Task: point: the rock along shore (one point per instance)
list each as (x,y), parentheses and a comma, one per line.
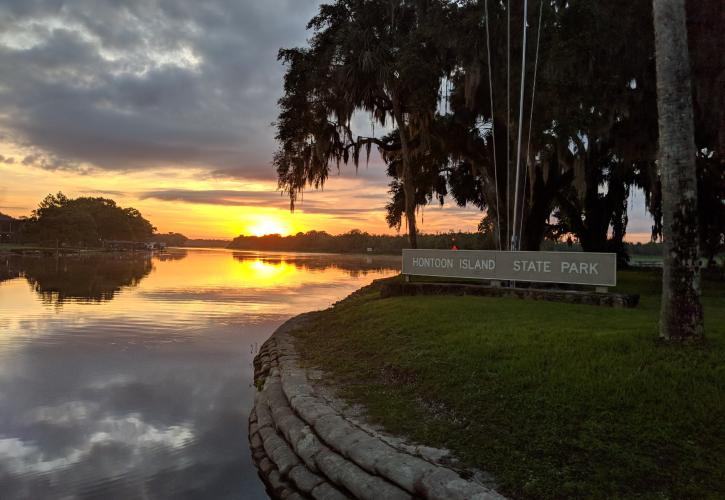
(306,445)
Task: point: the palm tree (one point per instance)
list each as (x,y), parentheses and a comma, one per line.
(681,316)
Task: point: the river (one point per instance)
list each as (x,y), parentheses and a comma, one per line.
(129,376)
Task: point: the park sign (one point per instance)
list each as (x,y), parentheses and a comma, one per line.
(575,268)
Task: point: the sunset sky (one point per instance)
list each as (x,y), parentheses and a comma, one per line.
(166,106)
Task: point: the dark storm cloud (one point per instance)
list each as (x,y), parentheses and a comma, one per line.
(146,83)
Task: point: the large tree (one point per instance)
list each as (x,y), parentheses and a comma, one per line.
(588,129)
(378,57)
(705,19)
(706,39)
(85,221)
(593,118)
(681,316)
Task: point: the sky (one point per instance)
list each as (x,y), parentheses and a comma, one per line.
(167,106)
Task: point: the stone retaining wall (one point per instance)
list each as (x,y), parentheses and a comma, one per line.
(395,289)
(305,446)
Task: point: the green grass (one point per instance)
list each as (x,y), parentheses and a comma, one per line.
(635,259)
(555,400)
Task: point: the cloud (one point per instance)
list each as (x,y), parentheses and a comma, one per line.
(132,425)
(104,192)
(184,87)
(266,199)
(146,84)
(219,197)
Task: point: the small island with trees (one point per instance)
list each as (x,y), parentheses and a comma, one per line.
(83,222)
(88,223)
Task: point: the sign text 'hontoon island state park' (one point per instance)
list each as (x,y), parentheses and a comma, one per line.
(576,268)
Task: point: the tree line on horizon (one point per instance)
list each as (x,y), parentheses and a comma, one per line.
(357,241)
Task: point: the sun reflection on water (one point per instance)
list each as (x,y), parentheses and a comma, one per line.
(147,298)
(264,273)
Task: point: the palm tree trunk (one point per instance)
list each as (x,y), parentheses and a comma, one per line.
(681,315)
(408,181)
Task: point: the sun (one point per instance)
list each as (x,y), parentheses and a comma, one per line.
(268,225)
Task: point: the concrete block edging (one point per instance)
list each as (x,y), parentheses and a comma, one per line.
(304,447)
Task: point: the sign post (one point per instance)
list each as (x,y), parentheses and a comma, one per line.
(575,268)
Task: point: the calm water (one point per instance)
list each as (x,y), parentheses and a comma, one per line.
(125,377)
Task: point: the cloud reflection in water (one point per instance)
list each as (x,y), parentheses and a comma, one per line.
(143,390)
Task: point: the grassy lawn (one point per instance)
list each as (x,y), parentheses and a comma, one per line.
(638,259)
(554,400)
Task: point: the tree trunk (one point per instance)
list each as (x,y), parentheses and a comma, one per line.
(492,212)
(535,218)
(407,175)
(681,315)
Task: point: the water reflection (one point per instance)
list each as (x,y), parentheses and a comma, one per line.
(176,254)
(354,265)
(8,273)
(129,424)
(146,395)
(90,278)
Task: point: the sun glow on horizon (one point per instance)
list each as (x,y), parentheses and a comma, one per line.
(266,224)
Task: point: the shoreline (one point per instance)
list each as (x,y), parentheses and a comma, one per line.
(31,251)
(306,442)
